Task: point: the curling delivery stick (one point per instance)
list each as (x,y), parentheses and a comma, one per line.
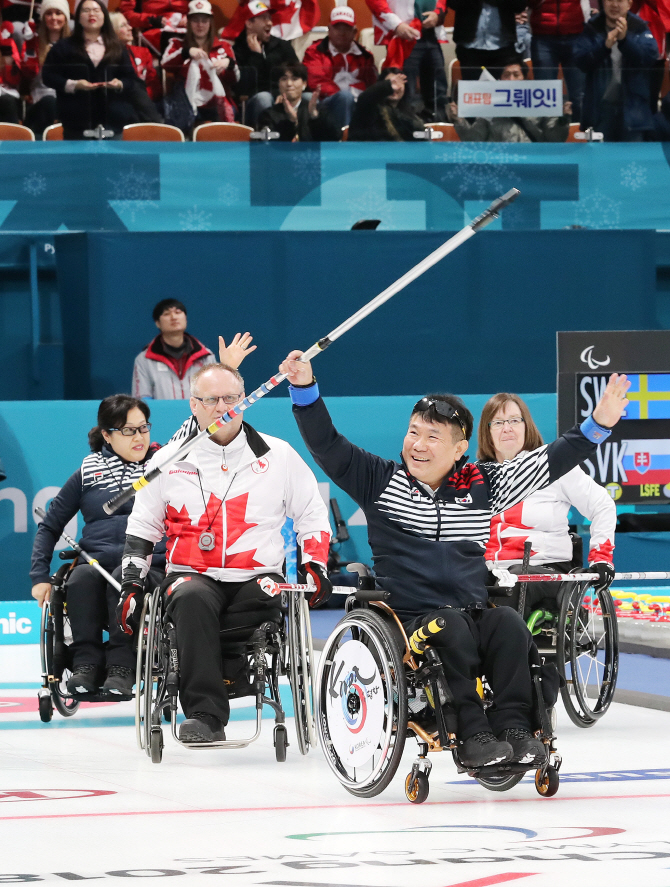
(587,577)
(41,513)
(453,243)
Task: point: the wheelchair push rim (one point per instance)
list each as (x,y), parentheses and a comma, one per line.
(588,654)
(65,704)
(301,659)
(139,674)
(362,703)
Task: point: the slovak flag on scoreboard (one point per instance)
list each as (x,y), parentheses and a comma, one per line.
(647,461)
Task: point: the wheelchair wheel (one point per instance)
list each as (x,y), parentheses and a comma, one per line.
(417,788)
(547,785)
(139,674)
(588,654)
(300,660)
(55,660)
(280,743)
(362,703)
(156,745)
(153,672)
(46,707)
(502,783)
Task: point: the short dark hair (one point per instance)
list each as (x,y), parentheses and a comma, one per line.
(112,413)
(295,68)
(164,304)
(515,59)
(464,414)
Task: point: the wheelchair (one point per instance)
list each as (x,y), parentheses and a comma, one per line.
(576,627)
(257,649)
(56,652)
(373,693)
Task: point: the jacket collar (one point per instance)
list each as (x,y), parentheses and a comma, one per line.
(439,492)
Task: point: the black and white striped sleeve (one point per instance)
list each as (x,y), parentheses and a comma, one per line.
(514,480)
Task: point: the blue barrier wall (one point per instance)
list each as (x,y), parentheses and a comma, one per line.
(483,319)
(311,186)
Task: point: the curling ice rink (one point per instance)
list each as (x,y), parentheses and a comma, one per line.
(79,801)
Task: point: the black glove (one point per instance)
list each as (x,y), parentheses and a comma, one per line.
(129,607)
(324,587)
(605,573)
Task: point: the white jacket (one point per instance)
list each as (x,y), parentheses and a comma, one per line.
(244,507)
(543,518)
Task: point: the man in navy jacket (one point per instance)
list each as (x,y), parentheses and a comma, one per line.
(428,522)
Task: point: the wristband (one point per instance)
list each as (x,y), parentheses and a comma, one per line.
(594,432)
(303,397)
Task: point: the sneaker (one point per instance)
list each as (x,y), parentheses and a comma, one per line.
(201,727)
(119,680)
(527,749)
(84,679)
(483,749)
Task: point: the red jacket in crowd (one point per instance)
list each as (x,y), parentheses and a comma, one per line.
(177,60)
(556,17)
(335,72)
(142,61)
(10,74)
(387,15)
(290,18)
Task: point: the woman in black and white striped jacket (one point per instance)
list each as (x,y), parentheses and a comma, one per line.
(120,447)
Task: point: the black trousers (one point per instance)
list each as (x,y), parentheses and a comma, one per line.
(473,60)
(427,63)
(91,606)
(494,642)
(41,114)
(9,109)
(196,604)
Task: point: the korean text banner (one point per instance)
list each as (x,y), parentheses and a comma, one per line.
(510,98)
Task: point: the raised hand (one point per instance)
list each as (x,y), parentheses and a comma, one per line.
(239,348)
(298,373)
(613,403)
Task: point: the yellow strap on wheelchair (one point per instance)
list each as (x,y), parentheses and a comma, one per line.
(417,641)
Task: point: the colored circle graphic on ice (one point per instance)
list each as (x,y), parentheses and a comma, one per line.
(355,703)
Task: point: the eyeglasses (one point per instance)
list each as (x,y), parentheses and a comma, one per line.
(127,431)
(213,401)
(513,422)
(442,408)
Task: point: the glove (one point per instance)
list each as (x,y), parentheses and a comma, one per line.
(504,577)
(324,587)
(605,573)
(129,607)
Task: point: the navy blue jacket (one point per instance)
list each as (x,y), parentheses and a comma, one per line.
(428,550)
(639,52)
(101,476)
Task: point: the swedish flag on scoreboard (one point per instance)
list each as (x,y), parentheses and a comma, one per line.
(649,396)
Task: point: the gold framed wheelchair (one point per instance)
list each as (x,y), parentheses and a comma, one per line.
(258,648)
(373,693)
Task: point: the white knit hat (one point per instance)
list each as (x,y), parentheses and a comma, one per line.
(200,7)
(61,5)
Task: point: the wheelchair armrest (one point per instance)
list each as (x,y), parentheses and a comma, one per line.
(499,591)
(366,595)
(68,555)
(366,580)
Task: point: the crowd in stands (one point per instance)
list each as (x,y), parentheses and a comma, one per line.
(165,61)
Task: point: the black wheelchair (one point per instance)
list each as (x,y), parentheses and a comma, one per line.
(56,651)
(257,649)
(373,692)
(574,626)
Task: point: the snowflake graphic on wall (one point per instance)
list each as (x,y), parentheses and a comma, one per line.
(479,152)
(229,195)
(195,219)
(307,165)
(370,204)
(633,176)
(476,181)
(598,210)
(136,188)
(34,184)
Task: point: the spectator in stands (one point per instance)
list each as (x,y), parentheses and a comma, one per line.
(555,28)
(295,118)
(38,40)
(158,20)
(164,368)
(662,121)
(259,55)
(13,15)
(148,89)
(512,129)
(120,447)
(485,34)
(617,52)
(92,75)
(290,19)
(656,13)
(339,68)
(10,77)
(408,29)
(206,70)
(383,112)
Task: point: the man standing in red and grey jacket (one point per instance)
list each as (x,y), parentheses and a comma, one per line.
(339,67)
(164,368)
(556,25)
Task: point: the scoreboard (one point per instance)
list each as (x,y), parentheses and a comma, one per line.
(634,463)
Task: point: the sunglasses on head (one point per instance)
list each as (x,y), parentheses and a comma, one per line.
(441,408)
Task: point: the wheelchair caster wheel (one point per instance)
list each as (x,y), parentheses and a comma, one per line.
(547,786)
(156,746)
(281,742)
(46,708)
(417,787)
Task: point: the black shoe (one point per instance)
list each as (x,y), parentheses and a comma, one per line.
(202,727)
(483,750)
(527,749)
(119,680)
(83,680)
